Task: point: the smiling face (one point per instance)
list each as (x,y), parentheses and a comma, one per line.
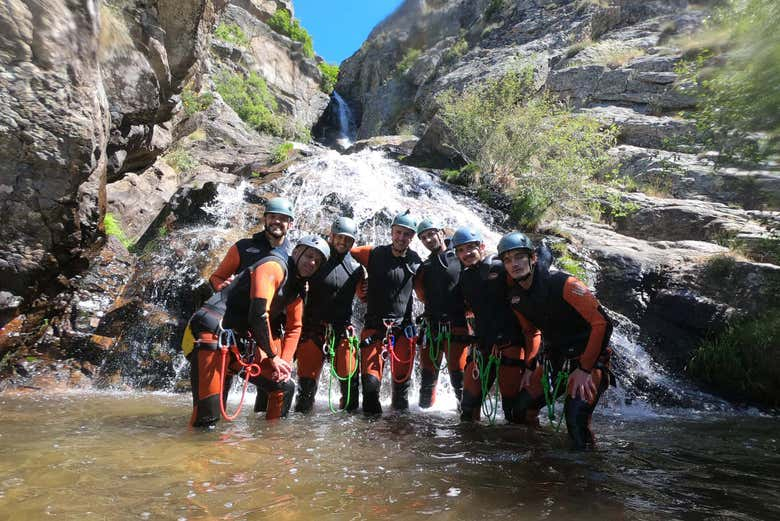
(433,240)
(341,243)
(277,225)
(308,260)
(401,238)
(470,253)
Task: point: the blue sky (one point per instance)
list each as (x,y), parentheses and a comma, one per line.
(339,27)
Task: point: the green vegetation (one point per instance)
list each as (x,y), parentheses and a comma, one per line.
(252,101)
(528,146)
(735,67)
(494,8)
(743,362)
(281,22)
(455,52)
(113,229)
(282,153)
(180,160)
(231,33)
(410,56)
(194,102)
(567,263)
(330,75)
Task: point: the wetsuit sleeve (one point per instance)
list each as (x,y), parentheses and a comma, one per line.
(533,339)
(266,280)
(419,281)
(361,253)
(226,268)
(582,300)
(292,329)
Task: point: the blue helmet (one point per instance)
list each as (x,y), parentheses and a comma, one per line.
(425,225)
(514,241)
(465,235)
(316,242)
(405,220)
(344,226)
(280,205)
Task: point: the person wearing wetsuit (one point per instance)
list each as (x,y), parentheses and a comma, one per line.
(483,285)
(388,327)
(272,313)
(327,321)
(575,332)
(200,341)
(443,322)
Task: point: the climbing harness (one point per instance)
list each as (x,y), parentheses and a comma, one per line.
(551,390)
(388,348)
(353,343)
(482,373)
(227,343)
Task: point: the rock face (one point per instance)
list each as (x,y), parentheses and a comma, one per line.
(54,127)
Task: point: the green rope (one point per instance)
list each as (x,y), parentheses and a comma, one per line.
(489,406)
(354,344)
(551,392)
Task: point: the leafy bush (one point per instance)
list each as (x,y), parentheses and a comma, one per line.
(736,71)
(330,75)
(180,160)
(410,56)
(114,229)
(281,153)
(231,33)
(454,53)
(528,146)
(743,362)
(252,101)
(281,22)
(194,102)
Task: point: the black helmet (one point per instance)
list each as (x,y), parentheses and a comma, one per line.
(344,226)
(280,205)
(514,241)
(465,235)
(316,242)
(405,220)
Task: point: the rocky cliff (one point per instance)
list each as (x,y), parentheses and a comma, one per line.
(652,259)
(112,110)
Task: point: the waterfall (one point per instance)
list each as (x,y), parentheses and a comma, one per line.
(371,188)
(344,114)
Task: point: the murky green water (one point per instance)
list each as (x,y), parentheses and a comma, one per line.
(131,456)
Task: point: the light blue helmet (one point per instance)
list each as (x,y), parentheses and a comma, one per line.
(280,205)
(316,242)
(465,235)
(425,225)
(405,220)
(344,226)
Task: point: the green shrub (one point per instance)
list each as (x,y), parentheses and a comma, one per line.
(180,160)
(194,102)
(743,361)
(410,56)
(455,52)
(114,229)
(231,33)
(252,101)
(736,71)
(330,75)
(281,153)
(533,147)
(494,8)
(281,22)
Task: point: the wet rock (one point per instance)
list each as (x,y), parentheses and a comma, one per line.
(393,145)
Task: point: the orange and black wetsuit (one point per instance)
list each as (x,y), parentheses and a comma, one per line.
(484,290)
(436,285)
(239,257)
(388,317)
(273,314)
(575,331)
(327,315)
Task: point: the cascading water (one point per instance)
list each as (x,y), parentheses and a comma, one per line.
(345,120)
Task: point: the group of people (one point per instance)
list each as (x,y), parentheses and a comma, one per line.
(507,317)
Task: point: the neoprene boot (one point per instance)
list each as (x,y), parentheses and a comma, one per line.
(353,388)
(371,403)
(307,389)
(428,380)
(400,400)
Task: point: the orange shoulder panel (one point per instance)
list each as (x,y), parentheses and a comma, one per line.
(229,266)
(583,301)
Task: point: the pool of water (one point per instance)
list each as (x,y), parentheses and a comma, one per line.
(132,456)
